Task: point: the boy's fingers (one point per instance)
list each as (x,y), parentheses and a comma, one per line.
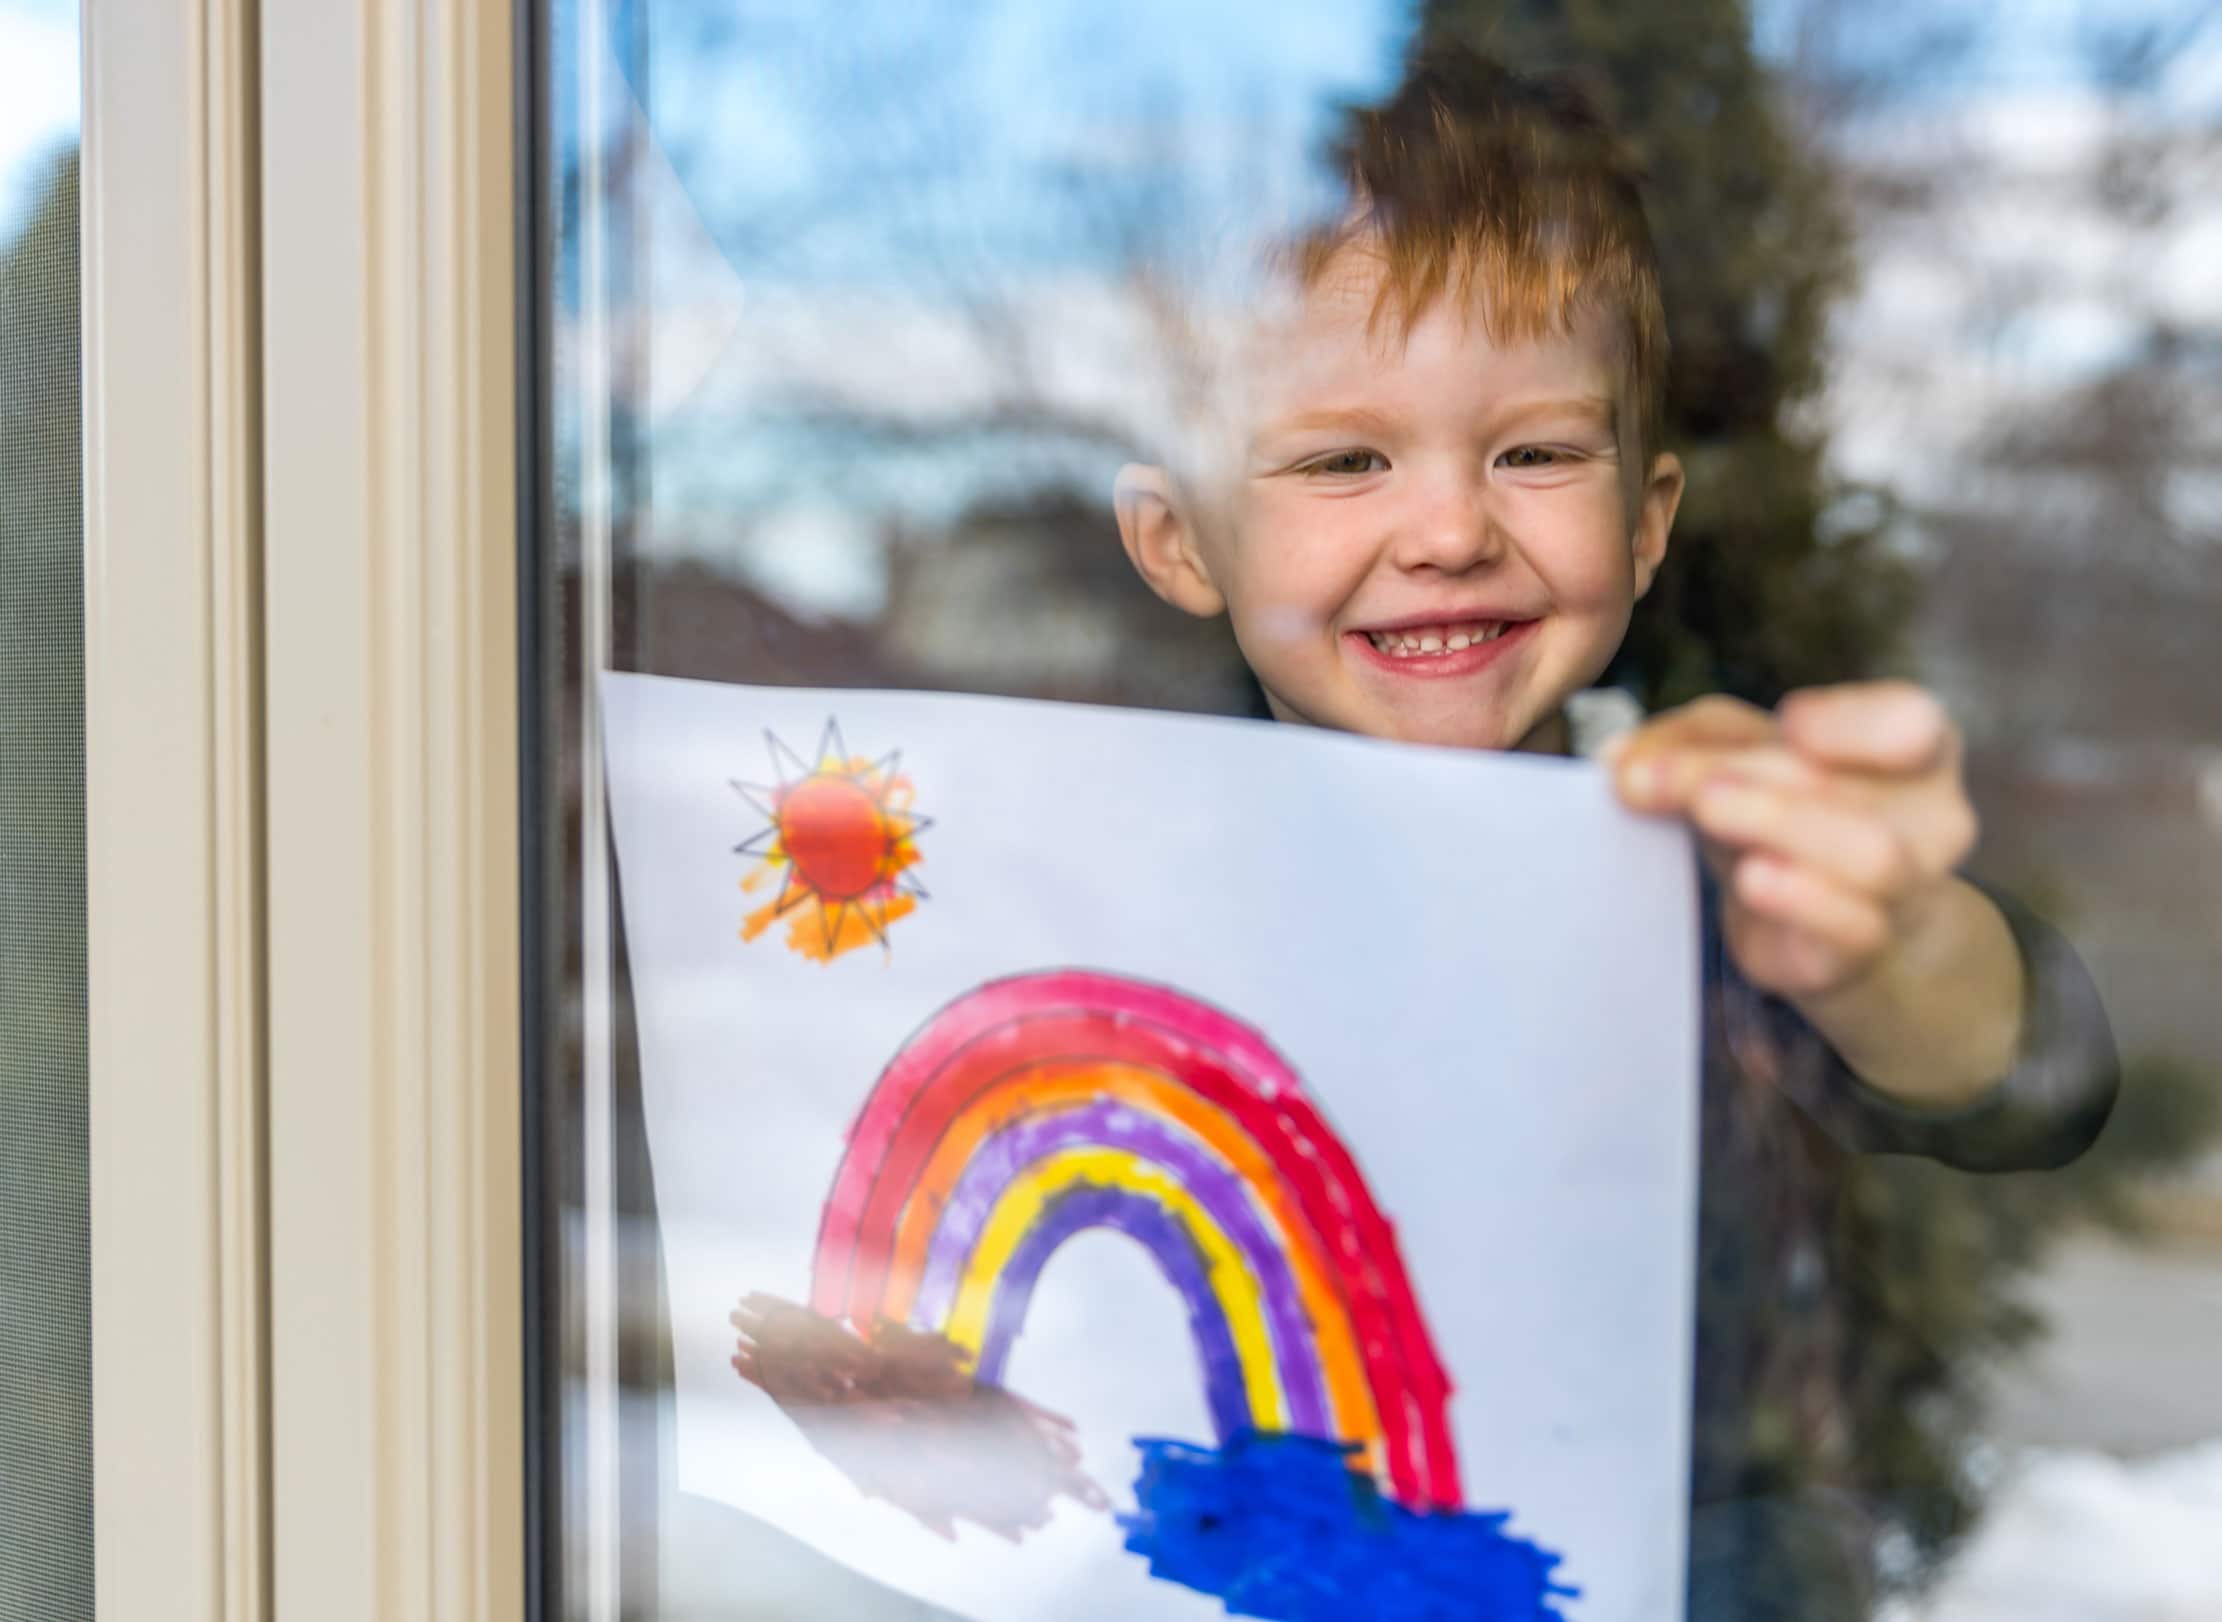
(1784,959)
(1651,766)
(1851,928)
(1884,726)
(1667,779)
(1851,846)
(1715,720)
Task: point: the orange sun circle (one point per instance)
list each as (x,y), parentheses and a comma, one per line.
(839,836)
(832,830)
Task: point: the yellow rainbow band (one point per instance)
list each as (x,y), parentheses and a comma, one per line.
(1233,1284)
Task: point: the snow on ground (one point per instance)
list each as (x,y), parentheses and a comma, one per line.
(2079,1536)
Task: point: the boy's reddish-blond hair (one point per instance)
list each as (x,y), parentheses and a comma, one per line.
(1510,194)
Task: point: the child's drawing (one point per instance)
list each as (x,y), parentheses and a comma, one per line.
(1322,1249)
(1040,1107)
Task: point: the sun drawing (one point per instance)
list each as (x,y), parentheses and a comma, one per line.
(841,839)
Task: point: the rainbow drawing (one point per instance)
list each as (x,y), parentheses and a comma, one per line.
(1046,1105)
(1040,1106)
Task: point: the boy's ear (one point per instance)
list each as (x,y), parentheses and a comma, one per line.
(1161,540)
(1662,493)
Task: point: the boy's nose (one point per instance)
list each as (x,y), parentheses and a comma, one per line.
(1452,530)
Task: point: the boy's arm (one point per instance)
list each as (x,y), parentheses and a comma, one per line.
(1936,1019)
(1836,829)
(2042,1112)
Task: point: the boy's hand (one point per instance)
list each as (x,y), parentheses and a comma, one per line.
(1836,825)
(1832,823)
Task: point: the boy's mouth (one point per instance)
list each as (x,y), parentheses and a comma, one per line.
(1452,648)
(1434,641)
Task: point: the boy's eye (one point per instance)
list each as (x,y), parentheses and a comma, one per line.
(1349,462)
(1531,456)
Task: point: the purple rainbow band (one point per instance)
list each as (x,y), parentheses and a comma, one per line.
(1110,1125)
(1165,1237)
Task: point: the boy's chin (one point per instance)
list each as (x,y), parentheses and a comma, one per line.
(1450,726)
(1490,732)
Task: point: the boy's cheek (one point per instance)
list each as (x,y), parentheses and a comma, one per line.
(1284,629)
(1285,648)
(1286,580)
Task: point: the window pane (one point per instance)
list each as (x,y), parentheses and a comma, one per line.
(46,1521)
(851,321)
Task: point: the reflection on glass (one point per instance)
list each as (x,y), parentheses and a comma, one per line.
(874,308)
(46,1522)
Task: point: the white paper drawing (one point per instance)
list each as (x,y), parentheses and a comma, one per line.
(1114,1165)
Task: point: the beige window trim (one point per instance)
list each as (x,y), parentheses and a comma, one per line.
(389,591)
(173,828)
(301,809)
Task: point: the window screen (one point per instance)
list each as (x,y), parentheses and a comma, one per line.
(46,1519)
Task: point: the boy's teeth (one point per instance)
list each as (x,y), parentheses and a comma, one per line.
(1436,639)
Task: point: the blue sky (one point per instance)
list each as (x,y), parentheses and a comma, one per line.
(1022,126)
(939,133)
(1284,49)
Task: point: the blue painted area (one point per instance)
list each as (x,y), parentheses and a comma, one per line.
(1280,1526)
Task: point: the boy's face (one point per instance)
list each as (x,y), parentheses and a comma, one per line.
(1430,539)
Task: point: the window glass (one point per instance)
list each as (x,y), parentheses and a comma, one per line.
(46,1519)
(849,321)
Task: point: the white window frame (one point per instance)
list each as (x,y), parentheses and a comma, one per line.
(301,759)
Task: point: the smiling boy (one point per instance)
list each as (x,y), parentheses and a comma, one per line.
(1443,488)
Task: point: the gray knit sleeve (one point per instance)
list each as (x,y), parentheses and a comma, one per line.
(2042,1114)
